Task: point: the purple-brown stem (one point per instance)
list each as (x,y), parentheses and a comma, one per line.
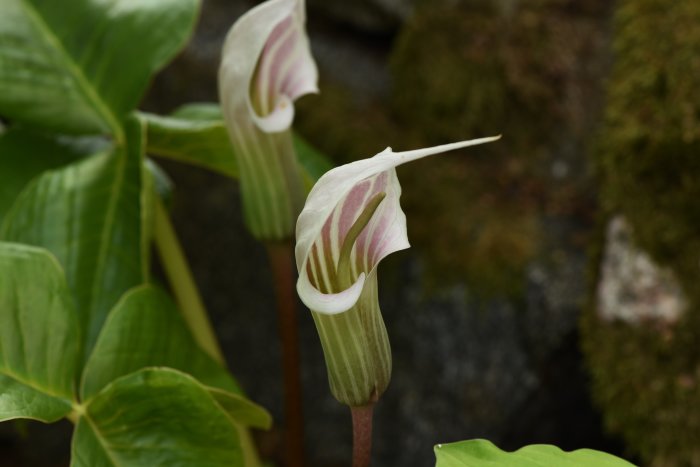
(362,435)
(281,262)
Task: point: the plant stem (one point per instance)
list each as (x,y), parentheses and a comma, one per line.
(182,283)
(281,262)
(192,307)
(362,435)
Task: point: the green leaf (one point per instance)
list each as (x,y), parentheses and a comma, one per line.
(24,155)
(162,183)
(89,214)
(39,336)
(200,111)
(155,417)
(479,452)
(18,400)
(146,329)
(314,163)
(82,68)
(196,134)
(198,142)
(242,410)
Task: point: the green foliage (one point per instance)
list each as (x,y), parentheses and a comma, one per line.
(170,418)
(76,226)
(82,69)
(146,329)
(88,214)
(18,400)
(196,134)
(313,162)
(17,169)
(646,375)
(482,453)
(39,335)
(202,142)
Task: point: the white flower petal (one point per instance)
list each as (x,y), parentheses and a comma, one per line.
(267,49)
(242,49)
(279,119)
(330,304)
(336,184)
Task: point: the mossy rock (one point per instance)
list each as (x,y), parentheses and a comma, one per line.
(480,69)
(646,375)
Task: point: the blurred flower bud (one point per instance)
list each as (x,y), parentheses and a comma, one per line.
(266,65)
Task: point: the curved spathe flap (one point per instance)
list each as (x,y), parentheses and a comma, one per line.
(330,304)
(266,65)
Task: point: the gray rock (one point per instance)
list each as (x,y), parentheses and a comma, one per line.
(632,287)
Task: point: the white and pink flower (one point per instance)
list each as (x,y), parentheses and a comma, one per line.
(266,65)
(352,219)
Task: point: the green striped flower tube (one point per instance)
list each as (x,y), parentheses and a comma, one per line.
(266,64)
(352,219)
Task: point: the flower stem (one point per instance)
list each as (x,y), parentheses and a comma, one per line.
(192,307)
(182,283)
(362,435)
(281,262)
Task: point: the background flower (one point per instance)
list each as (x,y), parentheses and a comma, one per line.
(266,64)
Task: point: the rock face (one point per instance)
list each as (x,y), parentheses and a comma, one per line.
(632,288)
(640,334)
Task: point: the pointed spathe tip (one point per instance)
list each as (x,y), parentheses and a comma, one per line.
(418,153)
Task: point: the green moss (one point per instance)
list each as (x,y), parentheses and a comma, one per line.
(646,376)
(483,70)
(477,70)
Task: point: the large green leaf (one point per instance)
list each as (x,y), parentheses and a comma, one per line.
(81,66)
(198,142)
(196,134)
(18,400)
(146,329)
(482,453)
(155,417)
(39,335)
(89,214)
(199,111)
(241,410)
(24,154)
